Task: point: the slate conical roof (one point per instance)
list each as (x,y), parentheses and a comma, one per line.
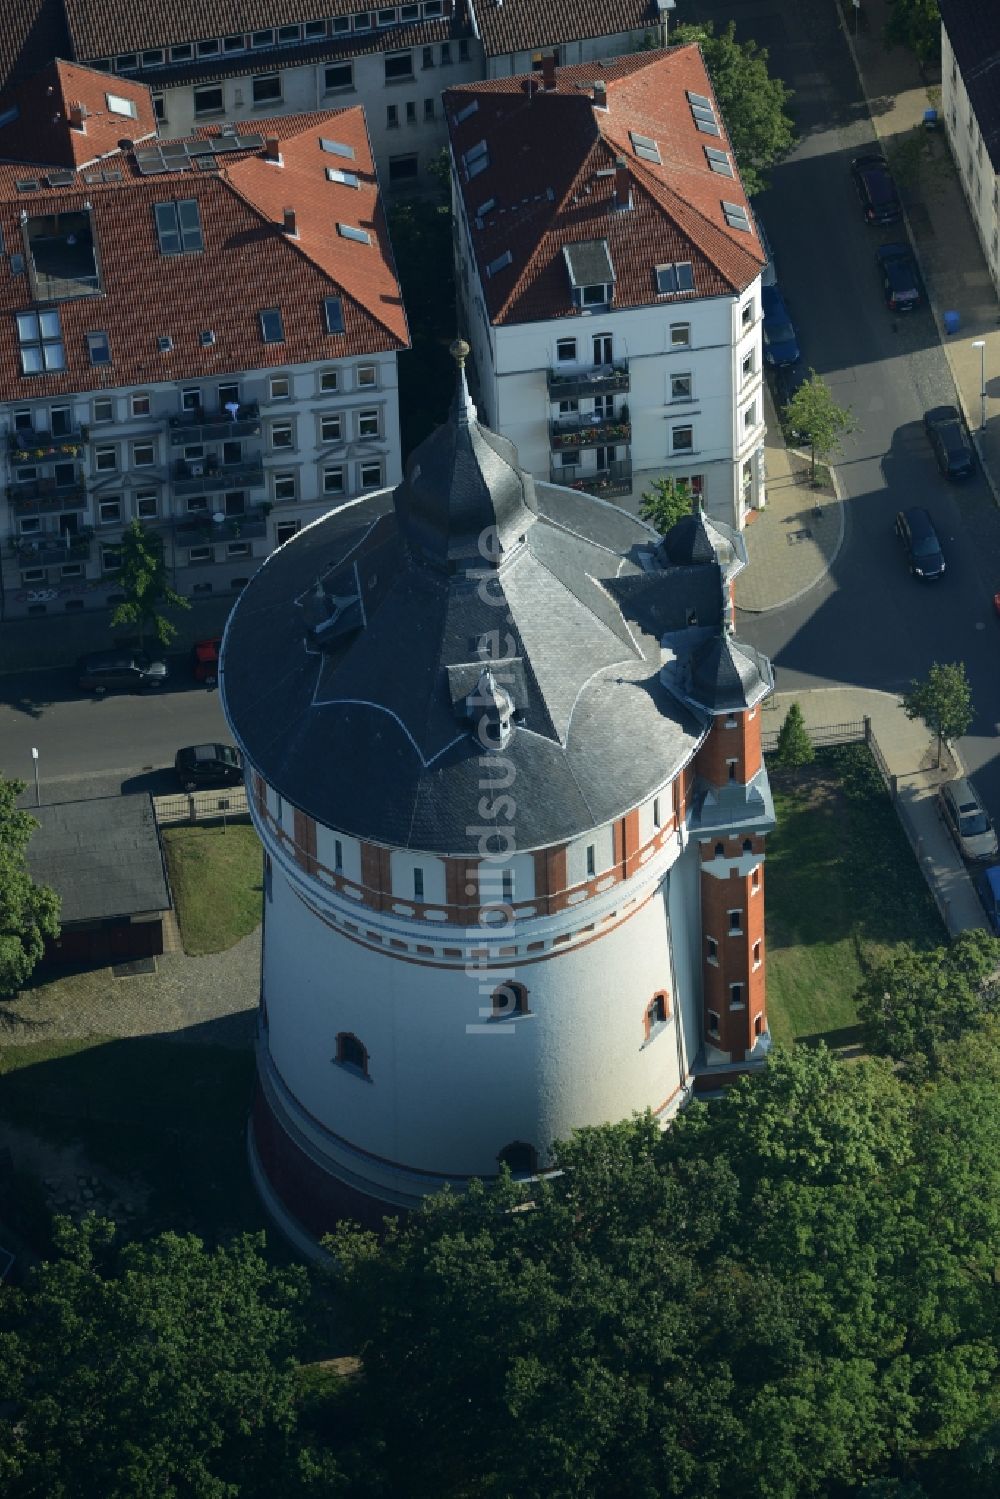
(727,675)
(464,494)
(696,538)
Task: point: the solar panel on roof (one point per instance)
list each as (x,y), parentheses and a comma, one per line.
(29,185)
(113,176)
(200,148)
(60,179)
(207,164)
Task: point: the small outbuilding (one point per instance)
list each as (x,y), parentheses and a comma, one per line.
(103,857)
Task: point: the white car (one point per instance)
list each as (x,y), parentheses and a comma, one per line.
(967,820)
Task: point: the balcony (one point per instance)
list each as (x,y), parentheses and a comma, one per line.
(203,530)
(27,446)
(51,547)
(45,497)
(607,483)
(215,426)
(599,379)
(584,432)
(209,476)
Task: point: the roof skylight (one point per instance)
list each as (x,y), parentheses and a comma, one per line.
(719,161)
(338,174)
(736,216)
(467,112)
(499,264)
(336,148)
(476,160)
(348,231)
(645,147)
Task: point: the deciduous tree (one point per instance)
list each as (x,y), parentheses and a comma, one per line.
(664,503)
(913,1002)
(813,413)
(915,24)
(753,103)
(28,912)
(943,700)
(142,578)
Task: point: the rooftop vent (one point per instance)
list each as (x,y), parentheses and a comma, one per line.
(600,94)
(207,338)
(290,227)
(164,343)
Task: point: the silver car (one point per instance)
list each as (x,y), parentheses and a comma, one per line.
(967,820)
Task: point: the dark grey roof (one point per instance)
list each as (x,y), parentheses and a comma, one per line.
(102,856)
(696,538)
(974,33)
(367,728)
(589,263)
(725,674)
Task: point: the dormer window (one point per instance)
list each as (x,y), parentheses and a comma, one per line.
(591,274)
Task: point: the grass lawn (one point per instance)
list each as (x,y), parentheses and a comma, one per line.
(171,1113)
(216,875)
(843,886)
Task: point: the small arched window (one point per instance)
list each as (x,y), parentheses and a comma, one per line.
(720,849)
(748,845)
(657,1013)
(508,1000)
(520,1158)
(352,1054)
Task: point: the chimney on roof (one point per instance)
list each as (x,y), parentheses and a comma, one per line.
(272,150)
(623,184)
(549,71)
(290,228)
(77,117)
(600,94)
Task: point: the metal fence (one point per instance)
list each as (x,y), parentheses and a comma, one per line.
(859,731)
(202,806)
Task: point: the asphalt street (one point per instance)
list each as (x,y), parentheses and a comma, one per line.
(869,623)
(90,746)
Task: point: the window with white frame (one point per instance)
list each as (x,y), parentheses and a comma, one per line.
(682,439)
(331,427)
(140,403)
(333,479)
(281,435)
(143,455)
(565,350)
(284,485)
(371,475)
(285,530)
(746,313)
(680,335)
(367,376)
(106,458)
(146,504)
(750,416)
(680,387)
(329,380)
(102,410)
(111,559)
(368,423)
(109,511)
(279,388)
(749,366)
(40,340)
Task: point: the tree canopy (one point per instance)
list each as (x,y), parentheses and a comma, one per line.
(794,745)
(665,502)
(753,103)
(814,415)
(911,1003)
(943,700)
(142,578)
(28,912)
(915,24)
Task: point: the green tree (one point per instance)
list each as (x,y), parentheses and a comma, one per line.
(142,577)
(794,745)
(943,700)
(815,416)
(912,1003)
(915,24)
(163,1368)
(28,912)
(753,103)
(664,503)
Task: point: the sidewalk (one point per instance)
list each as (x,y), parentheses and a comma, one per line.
(57,640)
(939,223)
(910,753)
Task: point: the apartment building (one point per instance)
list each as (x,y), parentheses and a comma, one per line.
(201,334)
(608,271)
(301,55)
(970,98)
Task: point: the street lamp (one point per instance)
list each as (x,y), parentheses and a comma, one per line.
(980,344)
(38,794)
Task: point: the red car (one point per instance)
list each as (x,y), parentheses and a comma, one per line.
(205,660)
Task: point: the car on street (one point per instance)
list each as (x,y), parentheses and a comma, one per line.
(967,820)
(876,189)
(781,347)
(900,280)
(988,886)
(201,765)
(915,530)
(120,671)
(947,435)
(205,660)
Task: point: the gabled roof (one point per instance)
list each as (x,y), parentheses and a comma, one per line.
(523,25)
(974,33)
(31,32)
(550,181)
(113,109)
(248,263)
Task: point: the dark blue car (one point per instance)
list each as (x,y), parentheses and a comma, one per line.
(781,347)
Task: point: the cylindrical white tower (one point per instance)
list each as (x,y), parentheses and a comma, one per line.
(477,715)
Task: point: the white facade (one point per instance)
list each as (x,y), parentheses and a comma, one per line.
(446,1086)
(611,399)
(223,489)
(977,174)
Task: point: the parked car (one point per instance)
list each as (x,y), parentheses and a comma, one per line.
(876,189)
(120,671)
(952,449)
(205,660)
(781,347)
(202,765)
(988,886)
(967,820)
(768,276)
(900,280)
(915,530)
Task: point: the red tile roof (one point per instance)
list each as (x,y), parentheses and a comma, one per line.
(31,32)
(551,174)
(521,25)
(100,28)
(42,131)
(248,264)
